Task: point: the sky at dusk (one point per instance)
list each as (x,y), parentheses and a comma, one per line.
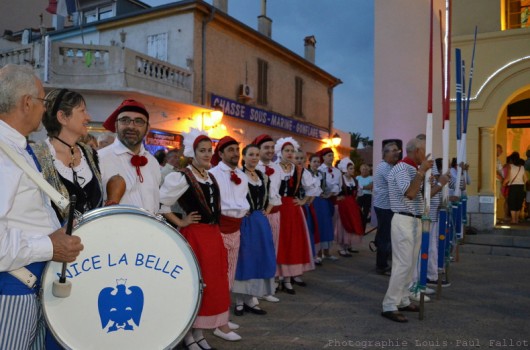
(345,47)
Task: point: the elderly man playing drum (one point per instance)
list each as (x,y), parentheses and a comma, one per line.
(128,157)
(30,233)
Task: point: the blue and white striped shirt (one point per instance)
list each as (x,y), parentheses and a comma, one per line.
(380,195)
(399,180)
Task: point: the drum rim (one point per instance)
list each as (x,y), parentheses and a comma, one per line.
(128,209)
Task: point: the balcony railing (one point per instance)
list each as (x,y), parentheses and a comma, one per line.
(98,67)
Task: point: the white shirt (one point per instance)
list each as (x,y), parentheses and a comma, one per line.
(116,159)
(26,215)
(174,186)
(275,180)
(333,179)
(234,201)
(309,183)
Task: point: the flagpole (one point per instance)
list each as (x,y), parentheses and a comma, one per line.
(443,221)
(425,220)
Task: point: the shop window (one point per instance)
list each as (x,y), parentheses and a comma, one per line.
(263,68)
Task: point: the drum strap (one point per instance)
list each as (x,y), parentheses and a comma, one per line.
(36,177)
(25,276)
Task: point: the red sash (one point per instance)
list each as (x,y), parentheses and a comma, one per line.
(229,224)
(275,209)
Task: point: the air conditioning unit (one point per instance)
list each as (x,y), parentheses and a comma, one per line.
(245,91)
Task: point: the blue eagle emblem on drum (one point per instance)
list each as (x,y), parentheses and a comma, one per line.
(119,306)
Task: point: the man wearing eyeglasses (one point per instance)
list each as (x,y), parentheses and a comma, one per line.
(30,234)
(128,157)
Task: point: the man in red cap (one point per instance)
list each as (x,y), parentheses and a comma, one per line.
(233,185)
(128,157)
(272,170)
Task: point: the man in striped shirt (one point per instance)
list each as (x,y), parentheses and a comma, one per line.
(382,207)
(405,182)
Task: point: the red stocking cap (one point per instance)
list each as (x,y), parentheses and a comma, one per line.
(261,139)
(126,106)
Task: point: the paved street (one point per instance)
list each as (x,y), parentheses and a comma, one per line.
(487,306)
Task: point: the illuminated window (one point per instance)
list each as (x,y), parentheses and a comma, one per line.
(263,72)
(517,14)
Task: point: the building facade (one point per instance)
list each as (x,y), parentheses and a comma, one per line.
(184,60)
(499,103)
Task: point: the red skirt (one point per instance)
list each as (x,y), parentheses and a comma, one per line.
(293,243)
(207,244)
(350,215)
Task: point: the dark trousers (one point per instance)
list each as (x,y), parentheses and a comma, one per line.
(382,238)
(365,202)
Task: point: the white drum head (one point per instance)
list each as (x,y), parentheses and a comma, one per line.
(136,284)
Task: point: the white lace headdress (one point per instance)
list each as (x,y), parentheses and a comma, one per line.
(189,139)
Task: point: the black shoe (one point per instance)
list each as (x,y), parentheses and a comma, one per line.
(204,347)
(254,309)
(435,283)
(351,250)
(238,310)
(385,271)
(299,283)
(288,290)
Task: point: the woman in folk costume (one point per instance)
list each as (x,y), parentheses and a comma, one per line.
(197,193)
(349,228)
(294,251)
(256,264)
(309,209)
(364,199)
(69,166)
(325,209)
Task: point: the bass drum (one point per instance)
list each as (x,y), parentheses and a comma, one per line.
(136,284)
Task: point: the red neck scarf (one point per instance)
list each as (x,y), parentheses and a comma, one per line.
(234,178)
(331,172)
(410,162)
(138,161)
(268,170)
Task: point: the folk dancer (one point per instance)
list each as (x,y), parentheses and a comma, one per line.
(128,157)
(294,251)
(69,166)
(256,264)
(233,185)
(349,228)
(327,214)
(272,170)
(197,192)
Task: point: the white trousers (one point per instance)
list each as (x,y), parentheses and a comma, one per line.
(406,242)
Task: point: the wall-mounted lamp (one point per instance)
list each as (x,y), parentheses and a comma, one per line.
(123,37)
(213,118)
(335,140)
